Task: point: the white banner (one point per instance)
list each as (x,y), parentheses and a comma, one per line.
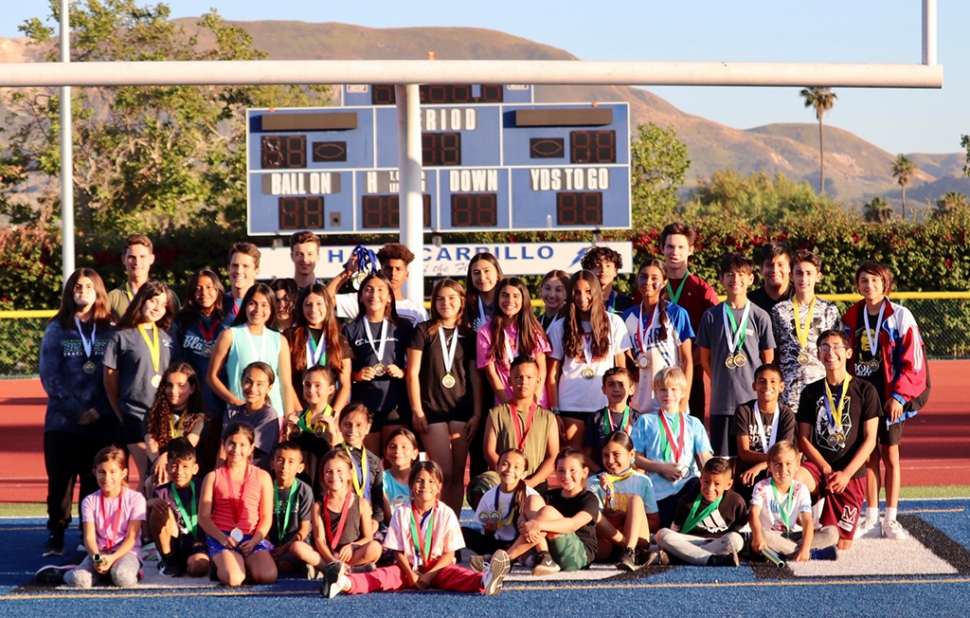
(452,260)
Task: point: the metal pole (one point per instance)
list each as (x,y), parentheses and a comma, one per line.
(411,200)
(67,155)
(929,32)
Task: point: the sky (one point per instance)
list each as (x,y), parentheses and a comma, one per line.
(877,31)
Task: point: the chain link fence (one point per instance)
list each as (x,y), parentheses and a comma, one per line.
(944,320)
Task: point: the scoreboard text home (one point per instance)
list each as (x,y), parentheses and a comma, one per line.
(492,161)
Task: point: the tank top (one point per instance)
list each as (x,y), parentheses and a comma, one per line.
(225,499)
(245,350)
(351,531)
(397,493)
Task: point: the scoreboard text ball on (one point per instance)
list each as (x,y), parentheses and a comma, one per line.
(492,161)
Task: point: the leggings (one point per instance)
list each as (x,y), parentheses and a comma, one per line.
(123,573)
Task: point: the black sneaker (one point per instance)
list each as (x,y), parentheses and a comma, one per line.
(54,545)
(331,580)
(656,557)
(52,575)
(478,563)
(724,560)
(627,560)
(544,565)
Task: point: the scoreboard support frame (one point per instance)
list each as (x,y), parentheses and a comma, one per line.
(410,195)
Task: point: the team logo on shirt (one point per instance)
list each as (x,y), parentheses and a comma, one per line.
(826,437)
(714,523)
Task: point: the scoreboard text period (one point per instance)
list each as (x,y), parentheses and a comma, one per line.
(492,161)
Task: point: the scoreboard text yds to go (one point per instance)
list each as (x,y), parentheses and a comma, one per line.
(492,161)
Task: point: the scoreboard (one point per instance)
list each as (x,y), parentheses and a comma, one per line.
(493,160)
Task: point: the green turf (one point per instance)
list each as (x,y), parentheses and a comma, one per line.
(28,509)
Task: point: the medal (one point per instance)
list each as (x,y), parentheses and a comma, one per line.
(88,367)
(155,350)
(319,431)
(448,356)
(588,373)
(734,335)
(834,412)
(237,503)
(872,336)
(236,535)
(448,381)
(770,439)
(156,381)
(643,362)
(801,332)
(379,348)
(642,340)
(672,449)
(740,360)
(87,345)
(803,358)
(837,439)
(379,369)
(206,351)
(207,336)
(729,362)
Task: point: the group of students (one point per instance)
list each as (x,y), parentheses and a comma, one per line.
(304,411)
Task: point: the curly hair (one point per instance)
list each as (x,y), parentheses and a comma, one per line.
(161,415)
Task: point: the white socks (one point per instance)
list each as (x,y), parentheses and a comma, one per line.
(891,513)
(872,515)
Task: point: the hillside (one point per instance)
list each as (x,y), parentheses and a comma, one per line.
(855,169)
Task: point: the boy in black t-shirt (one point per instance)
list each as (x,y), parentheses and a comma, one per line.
(838,419)
(173,515)
(606,263)
(292,502)
(617,416)
(758,425)
(706,525)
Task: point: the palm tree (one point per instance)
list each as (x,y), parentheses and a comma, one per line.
(822,99)
(951,202)
(878,210)
(903,171)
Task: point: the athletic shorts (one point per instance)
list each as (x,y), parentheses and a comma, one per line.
(840,510)
(131,429)
(394,416)
(187,546)
(569,552)
(457,415)
(216,547)
(890,435)
(575,415)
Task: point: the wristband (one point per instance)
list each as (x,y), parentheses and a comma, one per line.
(555,411)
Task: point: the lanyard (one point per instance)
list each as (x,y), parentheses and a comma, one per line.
(782,511)
(87,344)
(616,478)
(379,348)
(448,350)
(334,539)
(802,331)
(304,421)
(643,330)
(507,519)
(281,531)
(481,313)
(237,503)
(154,347)
(422,549)
(208,334)
(770,441)
(873,335)
(509,356)
(694,518)
(675,297)
(107,523)
(360,472)
(835,412)
(588,348)
(672,450)
(316,353)
(190,517)
(735,334)
(252,343)
(176,430)
(520,437)
(612,301)
(608,421)
(128,292)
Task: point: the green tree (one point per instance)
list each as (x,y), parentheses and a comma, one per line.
(822,100)
(659,162)
(877,210)
(904,169)
(145,158)
(951,202)
(965,144)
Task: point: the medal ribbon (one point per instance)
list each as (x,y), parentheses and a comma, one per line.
(782,511)
(622,476)
(588,348)
(233,500)
(366,260)
(128,292)
(190,517)
(504,521)
(176,430)
(304,421)
(694,518)
(208,334)
(674,298)
(835,412)
(154,347)
(767,444)
(280,531)
(86,344)
(335,538)
(509,356)
(422,549)
(108,539)
(316,353)
(802,331)
(873,335)
(448,350)
(360,472)
(252,344)
(612,301)
(608,421)
(672,450)
(379,348)
(737,334)
(520,437)
(644,328)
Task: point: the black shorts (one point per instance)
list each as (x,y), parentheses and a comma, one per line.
(394,416)
(575,415)
(457,415)
(132,430)
(188,546)
(891,435)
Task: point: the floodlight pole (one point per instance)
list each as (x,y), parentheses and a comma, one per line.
(929,32)
(411,199)
(67,155)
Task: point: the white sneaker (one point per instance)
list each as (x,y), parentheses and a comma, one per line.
(892,529)
(865,528)
(495,573)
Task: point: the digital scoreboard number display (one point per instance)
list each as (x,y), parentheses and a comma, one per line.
(492,160)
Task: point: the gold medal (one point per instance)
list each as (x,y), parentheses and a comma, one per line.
(588,373)
(729,362)
(379,369)
(643,362)
(319,431)
(88,367)
(803,358)
(295,431)
(837,440)
(448,381)
(740,360)
(156,381)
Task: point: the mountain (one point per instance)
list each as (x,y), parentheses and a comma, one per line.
(855,169)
